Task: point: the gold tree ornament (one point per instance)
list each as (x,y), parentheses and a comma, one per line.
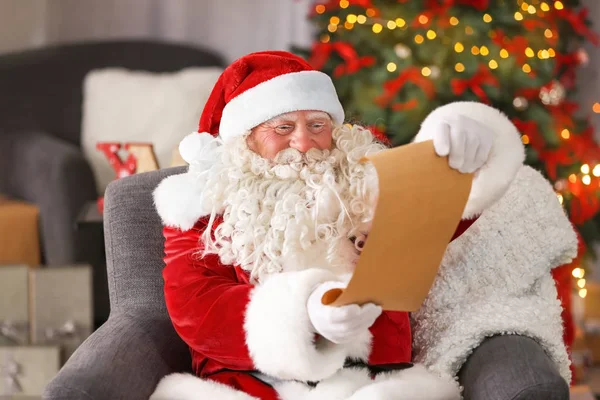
(402,51)
(552,94)
(520,103)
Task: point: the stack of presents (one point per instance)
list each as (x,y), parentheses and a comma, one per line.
(586,345)
(45,312)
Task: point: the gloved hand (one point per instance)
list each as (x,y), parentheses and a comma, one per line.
(466,141)
(339,324)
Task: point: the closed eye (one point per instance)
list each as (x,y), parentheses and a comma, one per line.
(283,129)
(317,127)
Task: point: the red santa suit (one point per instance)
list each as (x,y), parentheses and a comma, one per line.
(250,334)
(209,304)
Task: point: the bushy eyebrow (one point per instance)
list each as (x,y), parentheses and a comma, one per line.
(283,118)
(291,117)
(318,114)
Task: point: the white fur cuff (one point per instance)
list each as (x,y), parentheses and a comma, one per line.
(409,384)
(190,387)
(506,157)
(279,334)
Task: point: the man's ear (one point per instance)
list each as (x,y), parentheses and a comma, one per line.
(251,141)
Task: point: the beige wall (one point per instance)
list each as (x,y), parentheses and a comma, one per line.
(231,27)
(70,20)
(22,24)
(588,76)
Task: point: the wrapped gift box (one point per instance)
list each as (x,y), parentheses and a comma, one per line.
(581,357)
(14,305)
(19,233)
(61,306)
(591,323)
(26,371)
(581,392)
(592,302)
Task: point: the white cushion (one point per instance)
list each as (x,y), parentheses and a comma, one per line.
(137,106)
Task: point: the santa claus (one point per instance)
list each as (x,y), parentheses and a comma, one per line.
(272,213)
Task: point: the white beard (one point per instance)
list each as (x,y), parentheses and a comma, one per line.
(297,212)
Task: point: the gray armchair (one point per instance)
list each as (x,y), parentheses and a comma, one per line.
(128,355)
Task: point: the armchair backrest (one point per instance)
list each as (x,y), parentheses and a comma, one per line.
(134,244)
(41,89)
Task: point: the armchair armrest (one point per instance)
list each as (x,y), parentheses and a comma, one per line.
(54,175)
(511,367)
(123,359)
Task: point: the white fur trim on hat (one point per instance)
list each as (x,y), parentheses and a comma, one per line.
(505,159)
(304,90)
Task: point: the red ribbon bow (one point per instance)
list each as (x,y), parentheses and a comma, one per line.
(405,105)
(567,60)
(335,4)
(562,114)
(584,146)
(434,8)
(553,158)
(584,207)
(483,76)
(481,5)
(531,129)
(528,93)
(440,8)
(515,46)
(577,21)
(584,201)
(352,62)
(392,87)
(380,135)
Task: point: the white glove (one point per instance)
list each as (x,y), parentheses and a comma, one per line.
(339,324)
(466,141)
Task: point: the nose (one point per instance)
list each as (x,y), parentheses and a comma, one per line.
(302,140)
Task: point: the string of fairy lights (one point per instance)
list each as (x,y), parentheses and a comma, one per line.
(579,273)
(402,51)
(549,96)
(378,25)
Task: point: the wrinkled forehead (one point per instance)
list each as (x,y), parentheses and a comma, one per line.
(295,115)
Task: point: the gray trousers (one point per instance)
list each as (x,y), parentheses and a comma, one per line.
(511,368)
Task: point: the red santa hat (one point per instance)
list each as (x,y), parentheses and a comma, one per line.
(258,87)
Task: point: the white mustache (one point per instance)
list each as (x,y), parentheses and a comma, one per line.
(292,156)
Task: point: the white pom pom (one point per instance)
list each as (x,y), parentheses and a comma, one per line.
(193,147)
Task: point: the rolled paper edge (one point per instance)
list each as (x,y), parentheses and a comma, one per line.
(331,296)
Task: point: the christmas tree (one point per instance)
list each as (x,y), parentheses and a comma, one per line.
(394,61)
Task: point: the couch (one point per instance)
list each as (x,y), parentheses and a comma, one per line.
(41,160)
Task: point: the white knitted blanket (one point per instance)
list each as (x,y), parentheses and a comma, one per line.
(495,279)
